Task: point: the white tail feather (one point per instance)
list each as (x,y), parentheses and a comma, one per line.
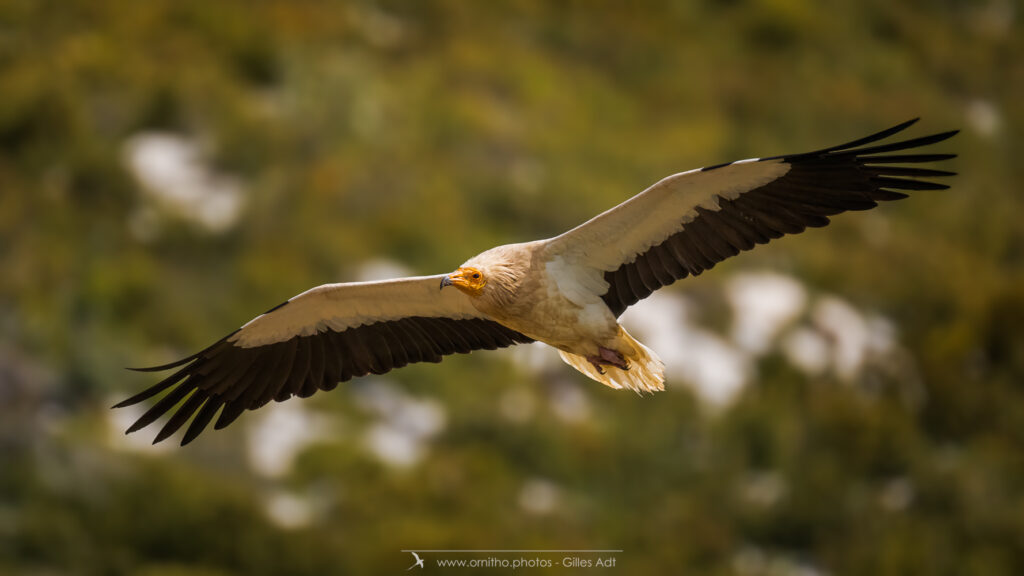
(646,371)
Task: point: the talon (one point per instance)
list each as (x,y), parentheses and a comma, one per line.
(607,357)
(613,357)
(597,362)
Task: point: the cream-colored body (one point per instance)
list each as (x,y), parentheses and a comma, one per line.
(553,301)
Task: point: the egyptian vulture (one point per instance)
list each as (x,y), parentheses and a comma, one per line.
(567,291)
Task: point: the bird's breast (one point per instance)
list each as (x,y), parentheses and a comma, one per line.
(544,312)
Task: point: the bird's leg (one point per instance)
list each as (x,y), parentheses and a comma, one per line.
(606,356)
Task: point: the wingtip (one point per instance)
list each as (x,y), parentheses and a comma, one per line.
(903,125)
(163,367)
(139,425)
(898,128)
(850,147)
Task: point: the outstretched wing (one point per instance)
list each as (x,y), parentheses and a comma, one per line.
(688,222)
(312,342)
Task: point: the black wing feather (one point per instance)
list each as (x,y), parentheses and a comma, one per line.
(233,379)
(819,184)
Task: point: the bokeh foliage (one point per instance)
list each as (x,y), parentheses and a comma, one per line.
(424,132)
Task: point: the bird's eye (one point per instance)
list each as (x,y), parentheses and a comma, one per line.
(476,275)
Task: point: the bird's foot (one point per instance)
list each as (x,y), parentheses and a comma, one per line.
(597,363)
(607,357)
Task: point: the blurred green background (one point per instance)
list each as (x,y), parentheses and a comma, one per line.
(848,401)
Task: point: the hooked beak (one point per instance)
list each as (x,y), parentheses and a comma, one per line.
(446,281)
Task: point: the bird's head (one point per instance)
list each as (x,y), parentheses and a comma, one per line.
(467,279)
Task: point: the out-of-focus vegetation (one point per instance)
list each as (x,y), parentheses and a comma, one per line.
(336,134)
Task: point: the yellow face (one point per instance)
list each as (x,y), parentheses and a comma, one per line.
(467,279)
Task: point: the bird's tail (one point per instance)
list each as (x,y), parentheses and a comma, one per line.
(646,372)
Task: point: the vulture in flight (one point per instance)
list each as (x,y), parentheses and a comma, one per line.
(567,291)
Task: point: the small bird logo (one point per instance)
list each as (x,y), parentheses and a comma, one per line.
(419,562)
